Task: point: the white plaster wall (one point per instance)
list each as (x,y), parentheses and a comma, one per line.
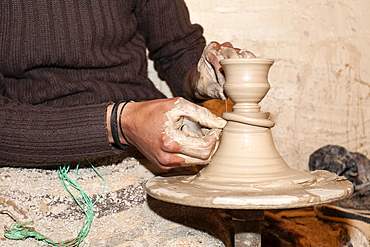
(320,82)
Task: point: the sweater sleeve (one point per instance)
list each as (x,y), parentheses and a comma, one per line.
(174,44)
(43,136)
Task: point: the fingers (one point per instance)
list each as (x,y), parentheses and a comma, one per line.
(218,46)
(188,131)
(184,150)
(229,53)
(215,71)
(227,44)
(245,54)
(198,147)
(193,112)
(193,147)
(191,161)
(209,85)
(194,150)
(226,50)
(211,81)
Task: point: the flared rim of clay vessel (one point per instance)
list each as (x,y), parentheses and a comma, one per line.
(247,60)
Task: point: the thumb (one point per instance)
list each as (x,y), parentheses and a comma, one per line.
(199,114)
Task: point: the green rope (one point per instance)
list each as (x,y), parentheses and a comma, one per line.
(21,231)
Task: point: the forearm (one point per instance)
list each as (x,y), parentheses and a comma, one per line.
(42,136)
(175,45)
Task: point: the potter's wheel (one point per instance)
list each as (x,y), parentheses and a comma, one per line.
(247,172)
(190,191)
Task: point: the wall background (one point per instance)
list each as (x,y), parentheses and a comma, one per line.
(320,82)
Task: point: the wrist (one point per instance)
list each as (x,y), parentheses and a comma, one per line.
(190,83)
(109,130)
(114,115)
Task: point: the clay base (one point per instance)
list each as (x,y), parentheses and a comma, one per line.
(187,190)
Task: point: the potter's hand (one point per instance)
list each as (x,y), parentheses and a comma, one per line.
(208,80)
(156,129)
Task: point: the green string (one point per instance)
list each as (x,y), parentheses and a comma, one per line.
(21,231)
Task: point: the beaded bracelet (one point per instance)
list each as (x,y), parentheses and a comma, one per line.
(113,124)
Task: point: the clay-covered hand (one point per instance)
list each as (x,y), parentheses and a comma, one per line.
(157,129)
(209,81)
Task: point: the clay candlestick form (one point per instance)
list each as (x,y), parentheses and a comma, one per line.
(246,171)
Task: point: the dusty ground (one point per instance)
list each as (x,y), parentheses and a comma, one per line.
(125,216)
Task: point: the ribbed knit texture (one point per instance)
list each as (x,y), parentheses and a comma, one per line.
(61,61)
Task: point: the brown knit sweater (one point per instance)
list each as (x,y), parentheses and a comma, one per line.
(61,61)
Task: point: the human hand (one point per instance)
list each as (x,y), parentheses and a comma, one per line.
(156,128)
(209,81)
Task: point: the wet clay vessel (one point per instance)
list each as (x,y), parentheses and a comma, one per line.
(247,172)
